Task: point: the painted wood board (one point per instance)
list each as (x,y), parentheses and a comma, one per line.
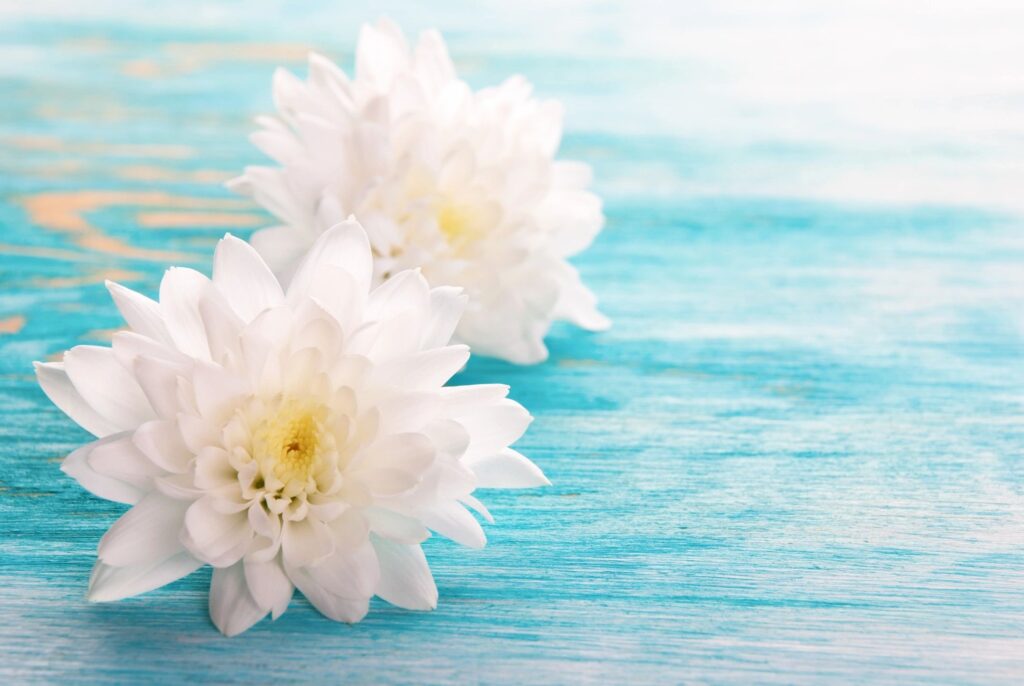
(798,455)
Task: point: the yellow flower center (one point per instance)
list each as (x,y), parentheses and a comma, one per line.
(455,222)
(288,443)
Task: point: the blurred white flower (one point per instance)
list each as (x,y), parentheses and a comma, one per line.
(459,183)
(289,438)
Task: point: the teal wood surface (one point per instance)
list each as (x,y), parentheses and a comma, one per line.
(797,456)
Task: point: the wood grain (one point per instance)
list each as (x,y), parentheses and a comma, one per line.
(796,457)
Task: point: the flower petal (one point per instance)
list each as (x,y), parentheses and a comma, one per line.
(76,465)
(447,304)
(147,532)
(453,521)
(268,584)
(397,527)
(232,607)
(349,573)
(109,583)
(244,278)
(344,246)
(424,370)
(54,381)
(214,536)
(107,386)
(507,469)
(160,441)
(494,427)
(332,606)
(305,542)
(121,459)
(405,578)
(142,314)
(180,292)
(280,246)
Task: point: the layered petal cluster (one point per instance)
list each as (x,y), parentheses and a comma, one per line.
(291,438)
(462,184)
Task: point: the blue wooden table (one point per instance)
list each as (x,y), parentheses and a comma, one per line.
(797,456)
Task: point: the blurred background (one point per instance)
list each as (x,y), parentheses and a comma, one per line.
(796,456)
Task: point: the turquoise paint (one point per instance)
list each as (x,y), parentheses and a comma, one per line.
(797,455)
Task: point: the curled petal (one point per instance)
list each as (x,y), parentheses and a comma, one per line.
(232,607)
(507,469)
(109,583)
(405,578)
(148,531)
(76,465)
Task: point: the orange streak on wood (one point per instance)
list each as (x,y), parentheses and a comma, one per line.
(153,173)
(185,58)
(12,324)
(199,220)
(42,143)
(97,276)
(65,212)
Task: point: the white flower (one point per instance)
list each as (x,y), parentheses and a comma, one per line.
(287,438)
(459,183)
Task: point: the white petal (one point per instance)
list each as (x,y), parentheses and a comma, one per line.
(408,412)
(424,370)
(333,606)
(268,583)
(218,392)
(410,452)
(142,314)
(180,292)
(460,400)
(334,289)
(222,326)
(344,246)
(197,433)
(158,380)
(54,381)
(213,469)
(494,427)
(447,304)
(232,607)
(385,482)
(507,469)
(214,536)
(453,521)
(305,542)
(146,533)
(405,578)
(116,583)
(244,279)
(448,436)
(76,465)
(407,290)
(573,219)
(160,441)
(281,247)
(349,573)
(577,304)
(397,527)
(107,386)
(478,507)
(381,53)
(121,459)
(128,346)
(433,65)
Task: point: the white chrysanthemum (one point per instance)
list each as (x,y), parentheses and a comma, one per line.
(287,438)
(459,183)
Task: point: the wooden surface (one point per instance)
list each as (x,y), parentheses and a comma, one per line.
(798,455)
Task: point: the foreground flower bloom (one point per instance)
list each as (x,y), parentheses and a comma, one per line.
(459,183)
(300,438)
